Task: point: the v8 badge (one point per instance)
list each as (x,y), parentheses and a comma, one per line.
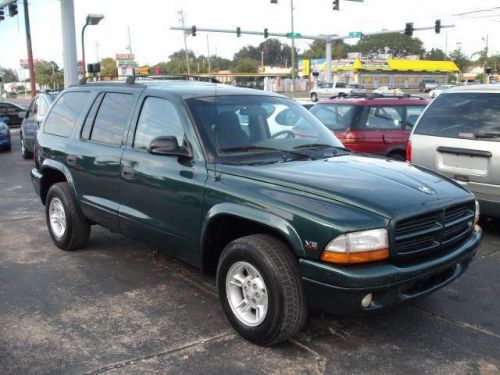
(310,245)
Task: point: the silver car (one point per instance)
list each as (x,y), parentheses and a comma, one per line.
(458,135)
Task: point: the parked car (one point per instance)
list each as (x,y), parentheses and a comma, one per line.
(33,117)
(389,91)
(434,93)
(285,221)
(373,124)
(356,89)
(459,136)
(10,112)
(306,103)
(5,143)
(328,90)
(427,85)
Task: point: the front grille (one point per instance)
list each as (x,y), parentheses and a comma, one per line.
(424,234)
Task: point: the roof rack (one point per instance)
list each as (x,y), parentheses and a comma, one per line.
(370,96)
(131,79)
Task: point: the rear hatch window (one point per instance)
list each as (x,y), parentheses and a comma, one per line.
(335,116)
(463,115)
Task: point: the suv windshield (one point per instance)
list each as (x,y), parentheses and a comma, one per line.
(462,115)
(335,116)
(243,127)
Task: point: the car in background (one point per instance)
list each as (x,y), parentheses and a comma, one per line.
(389,91)
(434,93)
(329,90)
(33,117)
(374,124)
(427,85)
(459,136)
(4,135)
(10,112)
(307,104)
(356,89)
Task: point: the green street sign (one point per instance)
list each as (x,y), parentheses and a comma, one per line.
(354,34)
(293,35)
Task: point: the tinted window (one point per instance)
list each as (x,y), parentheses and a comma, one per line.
(158,118)
(464,115)
(335,116)
(112,118)
(412,114)
(65,113)
(384,117)
(87,125)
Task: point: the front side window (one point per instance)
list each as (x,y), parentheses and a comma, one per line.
(65,113)
(335,116)
(462,115)
(111,118)
(243,127)
(384,117)
(158,118)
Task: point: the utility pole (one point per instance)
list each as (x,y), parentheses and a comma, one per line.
(293,47)
(209,60)
(69,42)
(486,78)
(261,58)
(28,46)
(181,13)
(129,41)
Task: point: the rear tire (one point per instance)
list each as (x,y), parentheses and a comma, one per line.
(24,152)
(8,148)
(68,228)
(272,285)
(314,97)
(397,156)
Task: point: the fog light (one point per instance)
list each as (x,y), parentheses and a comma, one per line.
(367,300)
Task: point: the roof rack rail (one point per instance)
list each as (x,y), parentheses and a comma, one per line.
(370,96)
(131,79)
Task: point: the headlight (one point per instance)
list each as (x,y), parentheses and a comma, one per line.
(357,247)
(477,214)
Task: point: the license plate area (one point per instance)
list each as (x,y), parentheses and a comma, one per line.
(463,161)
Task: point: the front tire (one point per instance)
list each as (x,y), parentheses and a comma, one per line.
(24,151)
(314,97)
(68,228)
(260,289)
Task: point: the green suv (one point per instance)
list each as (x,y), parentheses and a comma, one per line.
(251,187)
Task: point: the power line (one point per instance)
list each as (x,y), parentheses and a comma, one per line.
(477,11)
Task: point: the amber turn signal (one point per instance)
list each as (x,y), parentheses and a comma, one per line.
(357,257)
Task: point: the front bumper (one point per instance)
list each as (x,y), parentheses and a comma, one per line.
(340,289)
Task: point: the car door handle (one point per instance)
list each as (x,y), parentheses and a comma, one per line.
(71,159)
(128,173)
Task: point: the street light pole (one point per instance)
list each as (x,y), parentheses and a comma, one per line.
(92,19)
(293,47)
(30,51)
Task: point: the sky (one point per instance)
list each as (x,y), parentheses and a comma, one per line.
(152,40)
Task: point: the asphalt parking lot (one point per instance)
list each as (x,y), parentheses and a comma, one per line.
(119,307)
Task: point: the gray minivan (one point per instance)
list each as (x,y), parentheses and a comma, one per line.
(458,135)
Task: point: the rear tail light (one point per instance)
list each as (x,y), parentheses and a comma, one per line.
(408,151)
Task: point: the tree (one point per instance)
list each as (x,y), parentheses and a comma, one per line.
(108,67)
(245,65)
(435,54)
(8,75)
(48,74)
(397,44)
(275,53)
(460,59)
(317,49)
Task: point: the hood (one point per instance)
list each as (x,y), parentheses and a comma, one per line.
(387,187)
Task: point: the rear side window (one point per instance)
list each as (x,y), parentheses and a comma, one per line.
(384,117)
(158,118)
(112,118)
(65,113)
(462,115)
(335,116)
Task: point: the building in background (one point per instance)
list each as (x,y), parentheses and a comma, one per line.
(381,71)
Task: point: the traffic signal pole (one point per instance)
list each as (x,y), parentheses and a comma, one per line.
(329,39)
(29,49)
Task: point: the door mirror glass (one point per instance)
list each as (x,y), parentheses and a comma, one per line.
(168,146)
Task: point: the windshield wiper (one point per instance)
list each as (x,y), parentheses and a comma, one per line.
(322,145)
(264,148)
(487,134)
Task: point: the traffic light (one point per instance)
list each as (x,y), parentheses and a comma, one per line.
(266,33)
(437,26)
(12,9)
(336,4)
(238,31)
(193,30)
(2,15)
(409,29)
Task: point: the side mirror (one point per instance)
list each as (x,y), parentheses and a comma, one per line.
(168,146)
(22,114)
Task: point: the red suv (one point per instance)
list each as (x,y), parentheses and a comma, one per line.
(373,124)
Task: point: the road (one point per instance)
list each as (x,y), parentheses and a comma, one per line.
(119,307)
